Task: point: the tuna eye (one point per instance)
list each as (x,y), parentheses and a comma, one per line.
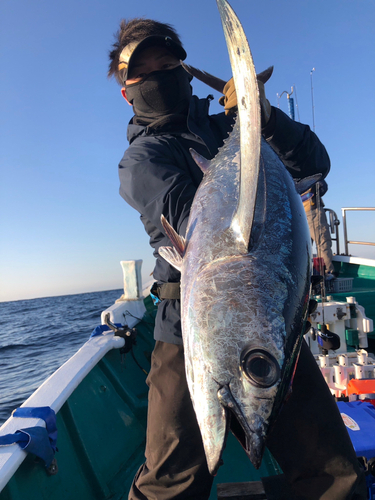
(260,367)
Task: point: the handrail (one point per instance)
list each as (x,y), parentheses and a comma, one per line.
(334,227)
(346,241)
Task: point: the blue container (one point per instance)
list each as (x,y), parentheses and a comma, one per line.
(370,481)
(359,418)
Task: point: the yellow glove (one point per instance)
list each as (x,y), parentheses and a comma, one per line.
(229,101)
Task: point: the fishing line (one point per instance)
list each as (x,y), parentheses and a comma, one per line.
(128,313)
(136,362)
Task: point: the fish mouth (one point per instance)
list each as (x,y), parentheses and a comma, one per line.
(252,437)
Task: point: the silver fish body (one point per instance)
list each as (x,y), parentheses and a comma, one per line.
(245,267)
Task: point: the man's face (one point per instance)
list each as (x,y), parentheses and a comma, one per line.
(149,60)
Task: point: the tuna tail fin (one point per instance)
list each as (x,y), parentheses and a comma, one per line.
(217,83)
(265,75)
(307,183)
(245,80)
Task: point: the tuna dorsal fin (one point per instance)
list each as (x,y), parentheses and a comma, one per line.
(202,162)
(265,75)
(171,256)
(177,241)
(245,80)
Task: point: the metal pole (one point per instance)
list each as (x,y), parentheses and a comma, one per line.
(312,98)
(334,227)
(297,108)
(343,211)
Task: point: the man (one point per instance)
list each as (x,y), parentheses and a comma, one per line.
(158,176)
(319,229)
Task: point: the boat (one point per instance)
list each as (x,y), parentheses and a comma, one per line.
(99,396)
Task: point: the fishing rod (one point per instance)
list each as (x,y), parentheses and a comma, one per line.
(312,97)
(326,339)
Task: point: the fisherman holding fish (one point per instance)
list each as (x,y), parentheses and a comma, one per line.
(158,177)
(318,225)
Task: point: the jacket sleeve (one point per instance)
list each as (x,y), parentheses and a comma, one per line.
(296,145)
(153,182)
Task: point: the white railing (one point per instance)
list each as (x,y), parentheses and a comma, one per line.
(346,241)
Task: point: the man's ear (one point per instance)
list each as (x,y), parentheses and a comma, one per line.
(123,93)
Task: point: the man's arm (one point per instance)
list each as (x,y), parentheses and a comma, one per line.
(153,184)
(297,146)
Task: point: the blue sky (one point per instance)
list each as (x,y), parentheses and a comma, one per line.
(64,228)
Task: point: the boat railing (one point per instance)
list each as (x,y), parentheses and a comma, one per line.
(346,240)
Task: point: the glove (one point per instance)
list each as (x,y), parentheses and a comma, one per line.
(229,101)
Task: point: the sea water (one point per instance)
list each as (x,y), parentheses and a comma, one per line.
(39,335)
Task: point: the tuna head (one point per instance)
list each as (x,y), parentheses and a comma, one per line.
(235,342)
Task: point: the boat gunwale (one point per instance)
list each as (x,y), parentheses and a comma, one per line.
(54,392)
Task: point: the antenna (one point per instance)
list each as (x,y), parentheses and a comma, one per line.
(297,108)
(312,98)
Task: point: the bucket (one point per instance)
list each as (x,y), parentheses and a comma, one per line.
(364,389)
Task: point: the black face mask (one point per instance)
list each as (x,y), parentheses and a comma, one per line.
(161,93)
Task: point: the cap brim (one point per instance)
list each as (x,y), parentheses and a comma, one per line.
(151,41)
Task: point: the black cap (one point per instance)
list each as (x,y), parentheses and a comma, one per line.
(134,48)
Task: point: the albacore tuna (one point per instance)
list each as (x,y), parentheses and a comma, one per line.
(245,275)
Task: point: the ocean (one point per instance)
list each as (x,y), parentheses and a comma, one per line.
(39,335)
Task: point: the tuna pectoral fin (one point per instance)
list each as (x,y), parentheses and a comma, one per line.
(171,256)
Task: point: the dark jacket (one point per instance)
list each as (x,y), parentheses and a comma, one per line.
(158,176)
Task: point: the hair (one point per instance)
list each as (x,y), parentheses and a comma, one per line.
(135,30)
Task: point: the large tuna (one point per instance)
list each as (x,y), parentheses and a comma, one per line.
(245,275)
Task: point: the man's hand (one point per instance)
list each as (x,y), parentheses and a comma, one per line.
(229,101)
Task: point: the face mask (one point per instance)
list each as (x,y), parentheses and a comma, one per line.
(161,93)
